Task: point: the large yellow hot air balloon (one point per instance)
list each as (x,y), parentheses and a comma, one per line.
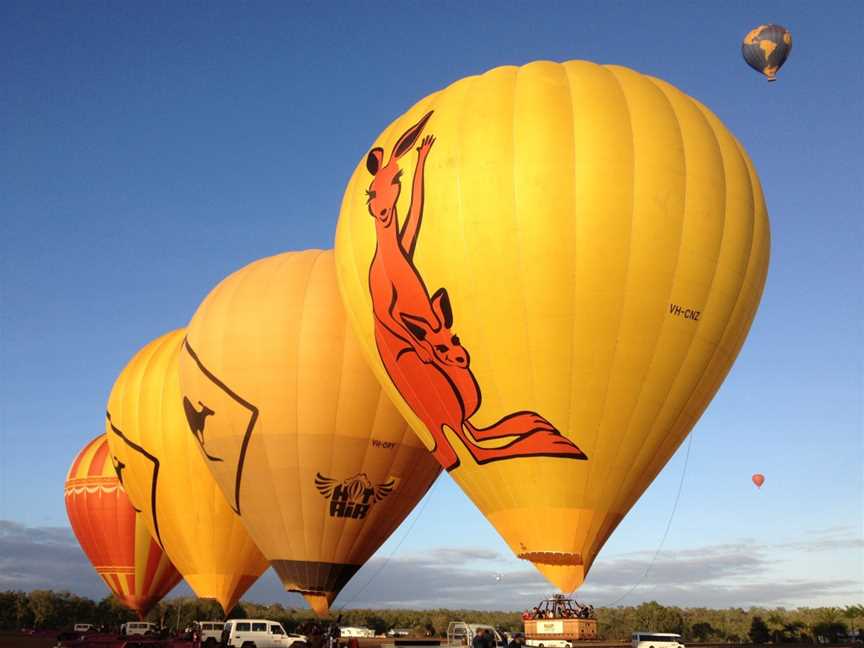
(558,290)
(112,534)
(295,428)
(166,477)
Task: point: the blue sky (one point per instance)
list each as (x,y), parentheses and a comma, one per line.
(148,150)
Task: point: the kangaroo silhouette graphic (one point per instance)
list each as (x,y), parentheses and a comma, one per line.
(197,420)
(413,332)
(118,468)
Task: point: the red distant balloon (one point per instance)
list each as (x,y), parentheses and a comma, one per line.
(758,479)
(112,535)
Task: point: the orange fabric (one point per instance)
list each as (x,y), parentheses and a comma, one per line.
(106,526)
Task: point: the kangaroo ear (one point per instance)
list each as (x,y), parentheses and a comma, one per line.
(373,160)
(410,136)
(441,307)
(415,326)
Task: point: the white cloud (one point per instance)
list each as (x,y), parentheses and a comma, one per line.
(742,574)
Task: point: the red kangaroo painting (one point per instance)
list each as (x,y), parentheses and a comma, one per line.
(414,331)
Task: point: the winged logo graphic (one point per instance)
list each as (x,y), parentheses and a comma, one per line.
(354,496)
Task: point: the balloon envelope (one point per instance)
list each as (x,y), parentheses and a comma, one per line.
(113,536)
(551,269)
(166,477)
(758,479)
(296,429)
(766,49)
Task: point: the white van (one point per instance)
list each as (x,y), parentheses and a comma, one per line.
(258,633)
(656,640)
(209,631)
(138,628)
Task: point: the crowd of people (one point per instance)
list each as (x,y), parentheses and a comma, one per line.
(559,607)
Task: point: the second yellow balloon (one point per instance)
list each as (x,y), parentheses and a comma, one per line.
(156,457)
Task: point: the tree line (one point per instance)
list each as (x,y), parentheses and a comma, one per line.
(60,610)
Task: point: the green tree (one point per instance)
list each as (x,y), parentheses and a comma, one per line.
(776,624)
(853,613)
(653,617)
(376,623)
(10,606)
(792,632)
(111,613)
(702,631)
(830,631)
(759,632)
(45,607)
(23,612)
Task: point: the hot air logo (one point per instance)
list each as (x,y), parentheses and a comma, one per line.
(425,359)
(352,497)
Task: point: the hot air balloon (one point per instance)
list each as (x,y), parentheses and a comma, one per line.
(557,291)
(294,427)
(766,49)
(758,479)
(166,477)
(111,533)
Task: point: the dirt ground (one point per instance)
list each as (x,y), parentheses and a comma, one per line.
(46,640)
(18,640)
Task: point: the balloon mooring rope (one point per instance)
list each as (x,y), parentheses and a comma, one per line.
(665,533)
(620,598)
(395,549)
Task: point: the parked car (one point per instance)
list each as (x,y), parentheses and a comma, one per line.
(210,632)
(258,633)
(133,628)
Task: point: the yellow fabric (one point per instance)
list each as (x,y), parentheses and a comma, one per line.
(604,243)
(200,533)
(270,352)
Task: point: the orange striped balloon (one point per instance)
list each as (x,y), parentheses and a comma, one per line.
(111,533)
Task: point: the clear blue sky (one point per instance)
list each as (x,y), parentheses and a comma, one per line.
(149,149)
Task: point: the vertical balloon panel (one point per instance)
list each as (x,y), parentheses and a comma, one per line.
(603,244)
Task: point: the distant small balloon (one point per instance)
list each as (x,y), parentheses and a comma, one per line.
(498,577)
(758,479)
(766,49)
